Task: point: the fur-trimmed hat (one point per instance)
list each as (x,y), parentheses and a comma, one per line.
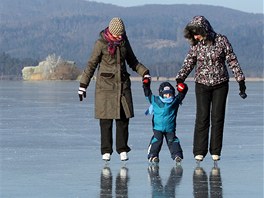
(199,25)
(116,26)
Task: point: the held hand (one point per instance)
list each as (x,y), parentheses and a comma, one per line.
(242,89)
(82,93)
(182,87)
(146,80)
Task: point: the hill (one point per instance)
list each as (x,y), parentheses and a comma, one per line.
(68,28)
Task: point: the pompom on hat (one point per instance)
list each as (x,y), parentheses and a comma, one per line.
(116,26)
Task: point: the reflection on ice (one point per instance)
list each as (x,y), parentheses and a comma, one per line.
(50,147)
(106,182)
(158,190)
(121,183)
(216,188)
(200,183)
(122,179)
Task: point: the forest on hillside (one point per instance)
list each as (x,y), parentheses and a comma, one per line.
(11,68)
(32,30)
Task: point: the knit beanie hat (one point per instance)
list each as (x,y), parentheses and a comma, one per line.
(166,88)
(116,26)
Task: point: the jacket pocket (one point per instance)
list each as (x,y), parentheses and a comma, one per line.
(106,81)
(107,75)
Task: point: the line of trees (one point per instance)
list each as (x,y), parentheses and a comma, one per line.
(11,68)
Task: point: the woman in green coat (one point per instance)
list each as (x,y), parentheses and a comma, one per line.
(113,97)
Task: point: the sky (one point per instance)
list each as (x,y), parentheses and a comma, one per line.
(250,6)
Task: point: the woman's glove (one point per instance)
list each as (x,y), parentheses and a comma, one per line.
(82,92)
(146,80)
(179,80)
(242,89)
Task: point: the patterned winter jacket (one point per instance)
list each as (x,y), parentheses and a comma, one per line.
(209,55)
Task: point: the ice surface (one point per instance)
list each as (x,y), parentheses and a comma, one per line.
(50,147)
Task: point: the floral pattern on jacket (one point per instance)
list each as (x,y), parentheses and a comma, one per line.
(210,57)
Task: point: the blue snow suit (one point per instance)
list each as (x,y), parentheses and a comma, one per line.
(164,123)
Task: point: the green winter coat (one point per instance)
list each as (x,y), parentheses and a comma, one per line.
(113,85)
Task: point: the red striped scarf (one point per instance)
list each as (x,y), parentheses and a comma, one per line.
(112,41)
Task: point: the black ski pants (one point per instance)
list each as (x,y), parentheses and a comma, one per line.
(210,107)
(106,126)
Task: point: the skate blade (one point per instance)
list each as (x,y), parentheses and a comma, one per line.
(215,164)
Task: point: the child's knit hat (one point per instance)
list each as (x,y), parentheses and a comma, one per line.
(166,88)
(116,26)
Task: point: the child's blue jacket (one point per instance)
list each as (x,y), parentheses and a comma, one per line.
(164,114)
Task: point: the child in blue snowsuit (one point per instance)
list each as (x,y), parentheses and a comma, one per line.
(164,109)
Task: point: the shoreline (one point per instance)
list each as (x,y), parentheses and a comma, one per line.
(249,79)
(153,78)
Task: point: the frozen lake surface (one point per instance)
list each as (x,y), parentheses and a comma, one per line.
(50,147)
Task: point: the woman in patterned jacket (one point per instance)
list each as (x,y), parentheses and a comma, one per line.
(208,54)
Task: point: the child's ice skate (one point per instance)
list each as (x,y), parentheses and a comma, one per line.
(154,160)
(178,160)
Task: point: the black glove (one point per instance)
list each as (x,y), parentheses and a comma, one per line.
(82,92)
(179,80)
(242,89)
(146,80)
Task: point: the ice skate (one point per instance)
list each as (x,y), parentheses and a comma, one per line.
(216,157)
(178,160)
(154,160)
(123,156)
(198,159)
(106,157)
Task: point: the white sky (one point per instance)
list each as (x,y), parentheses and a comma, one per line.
(251,6)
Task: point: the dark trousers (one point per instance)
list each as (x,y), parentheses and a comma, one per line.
(210,106)
(106,126)
(172,141)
